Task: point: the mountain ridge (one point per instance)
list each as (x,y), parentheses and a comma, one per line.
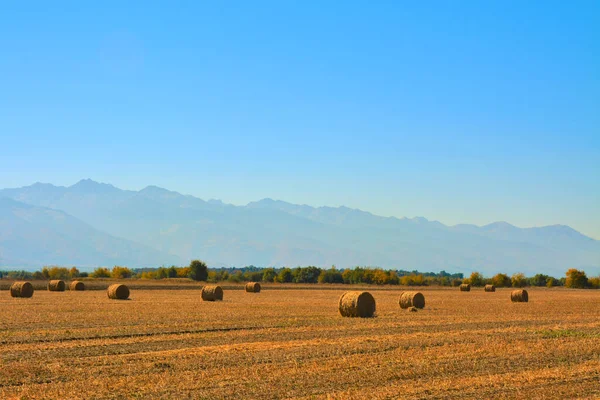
(90,183)
(271,232)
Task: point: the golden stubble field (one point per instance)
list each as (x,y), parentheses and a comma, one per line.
(294,344)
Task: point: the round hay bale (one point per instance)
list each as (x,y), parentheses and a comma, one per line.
(212,293)
(21,289)
(489,288)
(412,299)
(118,291)
(76,286)
(253,287)
(413,309)
(465,287)
(519,296)
(56,285)
(357,304)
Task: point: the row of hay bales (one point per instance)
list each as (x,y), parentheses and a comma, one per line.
(215,292)
(351,304)
(118,291)
(60,286)
(519,295)
(25,289)
(516,296)
(362,304)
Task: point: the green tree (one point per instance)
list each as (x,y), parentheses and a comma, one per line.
(518,280)
(538,280)
(198,270)
(74,273)
(476,279)
(594,282)
(101,272)
(331,275)
(285,276)
(121,272)
(501,280)
(576,279)
(236,277)
(172,272)
(269,275)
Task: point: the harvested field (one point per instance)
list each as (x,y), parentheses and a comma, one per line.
(294,344)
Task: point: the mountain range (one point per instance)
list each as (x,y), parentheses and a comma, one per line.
(91,224)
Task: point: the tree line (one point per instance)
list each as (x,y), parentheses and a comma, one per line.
(198,270)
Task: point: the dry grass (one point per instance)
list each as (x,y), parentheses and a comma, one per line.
(294,344)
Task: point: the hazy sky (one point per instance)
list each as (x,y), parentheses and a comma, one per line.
(463,111)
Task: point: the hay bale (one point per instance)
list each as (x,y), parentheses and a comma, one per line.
(357,304)
(118,291)
(465,287)
(253,287)
(57,285)
(76,286)
(21,289)
(412,299)
(519,296)
(413,309)
(212,293)
(489,288)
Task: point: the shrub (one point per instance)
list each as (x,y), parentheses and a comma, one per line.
(269,275)
(456,282)
(252,276)
(501,280)
(101,272)
(198,270)
(552,282)
(121,272)
(55,273)
(576,279)
(331,276)
(306,275)
(236,277)
(538,280)
(476,279)
(74,273)
(393,278)
(594,282)
(183,272)
(285,276)
(518,280)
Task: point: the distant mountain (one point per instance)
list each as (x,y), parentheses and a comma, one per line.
(275,233)
(32,236)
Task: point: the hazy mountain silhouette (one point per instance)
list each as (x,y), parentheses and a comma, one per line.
(271,232)
(32,236)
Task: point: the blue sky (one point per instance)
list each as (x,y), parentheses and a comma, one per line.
(464,112)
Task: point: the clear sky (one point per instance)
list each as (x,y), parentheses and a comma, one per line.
(463,112)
